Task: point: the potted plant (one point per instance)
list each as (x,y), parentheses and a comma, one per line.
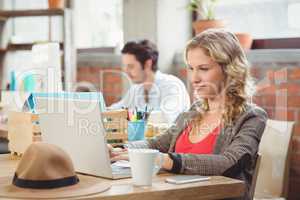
(205,10)
(245,40)
(56,4)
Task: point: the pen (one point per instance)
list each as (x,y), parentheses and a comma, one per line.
(145,113)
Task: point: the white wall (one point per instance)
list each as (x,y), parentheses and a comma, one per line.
(173,30)
(165,22)
(140,19)
(98,23)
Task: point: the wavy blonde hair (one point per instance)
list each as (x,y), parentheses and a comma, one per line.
(224,48)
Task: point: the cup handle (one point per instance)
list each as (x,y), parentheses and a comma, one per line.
(159,165)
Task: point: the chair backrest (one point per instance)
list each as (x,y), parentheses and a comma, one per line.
(255,174)
(274,148)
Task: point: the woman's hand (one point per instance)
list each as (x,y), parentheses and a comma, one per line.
(122,154)
(116,154)
(167,162)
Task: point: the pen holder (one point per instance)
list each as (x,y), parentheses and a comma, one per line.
(136,130)
(115,123)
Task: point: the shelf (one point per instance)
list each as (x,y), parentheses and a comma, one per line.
(30,13)
(25,46)
(67,46)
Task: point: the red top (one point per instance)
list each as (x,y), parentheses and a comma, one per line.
(205,146)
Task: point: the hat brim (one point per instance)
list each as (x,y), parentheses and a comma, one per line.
(87,185)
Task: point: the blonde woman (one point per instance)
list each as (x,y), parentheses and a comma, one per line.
(221,132)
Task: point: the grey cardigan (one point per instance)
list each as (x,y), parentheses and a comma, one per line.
(234,153)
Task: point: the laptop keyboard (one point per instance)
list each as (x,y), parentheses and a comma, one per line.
(120,170)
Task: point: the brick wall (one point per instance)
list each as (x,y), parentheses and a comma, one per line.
(278,92)
(105,79)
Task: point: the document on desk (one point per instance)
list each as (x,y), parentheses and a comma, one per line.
(122,163)
(182,179)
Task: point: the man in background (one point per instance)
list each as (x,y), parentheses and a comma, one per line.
(151,87)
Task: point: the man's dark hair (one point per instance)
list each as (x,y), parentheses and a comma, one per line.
(142,50)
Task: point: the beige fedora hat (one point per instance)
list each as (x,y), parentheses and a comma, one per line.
(46,172)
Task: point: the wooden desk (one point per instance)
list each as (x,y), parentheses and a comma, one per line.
(218,187)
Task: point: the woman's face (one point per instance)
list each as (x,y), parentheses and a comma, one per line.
(206,76)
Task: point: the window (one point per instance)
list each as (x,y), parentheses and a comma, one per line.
(262,18)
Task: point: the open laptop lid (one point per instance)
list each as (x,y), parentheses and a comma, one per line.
(31,101)
(76,126)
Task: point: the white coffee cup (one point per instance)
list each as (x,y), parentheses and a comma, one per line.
(143,166)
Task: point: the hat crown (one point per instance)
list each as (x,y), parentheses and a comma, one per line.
(43,161)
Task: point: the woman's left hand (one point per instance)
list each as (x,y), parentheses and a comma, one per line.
(167,162)
(123,155)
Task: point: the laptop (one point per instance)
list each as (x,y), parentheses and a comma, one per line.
(76,126)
